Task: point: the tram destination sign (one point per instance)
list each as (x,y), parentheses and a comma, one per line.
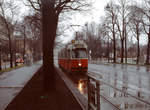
(79,46)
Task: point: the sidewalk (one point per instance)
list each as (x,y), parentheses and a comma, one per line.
(12,82)
(33,98)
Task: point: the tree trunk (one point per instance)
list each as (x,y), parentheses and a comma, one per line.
(122,50)
(138,48)
(114,46)
(122,39)
(125,46)
(49,20)
(108,49)
(10,51)
(148,49)
(15,51)
(24,47)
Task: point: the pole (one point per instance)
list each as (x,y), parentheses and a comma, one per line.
(88,86)
(98,95)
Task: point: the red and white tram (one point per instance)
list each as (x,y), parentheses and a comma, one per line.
(73,58)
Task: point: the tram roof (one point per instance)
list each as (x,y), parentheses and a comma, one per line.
(77,44)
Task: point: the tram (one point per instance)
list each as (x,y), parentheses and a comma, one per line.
(73,58)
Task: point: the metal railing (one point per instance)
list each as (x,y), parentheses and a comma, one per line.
(95,95)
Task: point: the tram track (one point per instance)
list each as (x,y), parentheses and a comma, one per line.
(105,83)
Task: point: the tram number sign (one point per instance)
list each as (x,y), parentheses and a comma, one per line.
(92,94)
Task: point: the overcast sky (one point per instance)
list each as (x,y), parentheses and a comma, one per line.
(80,19)
(94,16)
(77,19)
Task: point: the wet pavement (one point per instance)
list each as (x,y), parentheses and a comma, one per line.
(134,78)
(131,79)
(11,83)
(80,82)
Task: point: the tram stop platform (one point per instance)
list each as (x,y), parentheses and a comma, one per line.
(32,96)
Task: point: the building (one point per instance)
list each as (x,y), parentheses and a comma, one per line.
(19,45)
(3,31)
(4,41)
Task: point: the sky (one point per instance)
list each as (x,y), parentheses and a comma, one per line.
(23,9)
(94,15)
(79,19)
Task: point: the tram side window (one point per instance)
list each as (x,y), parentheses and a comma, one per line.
(63,55)
(73,54)
(79,54)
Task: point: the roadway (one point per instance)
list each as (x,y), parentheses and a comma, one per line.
(132,79)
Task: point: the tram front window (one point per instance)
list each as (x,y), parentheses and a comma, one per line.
(79,54)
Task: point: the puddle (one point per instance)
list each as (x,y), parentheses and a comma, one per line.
(82,86)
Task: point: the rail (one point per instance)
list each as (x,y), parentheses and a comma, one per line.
(95,87)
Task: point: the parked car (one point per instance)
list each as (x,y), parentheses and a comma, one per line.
(19,61)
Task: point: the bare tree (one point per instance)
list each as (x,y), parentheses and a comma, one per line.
(99,36)
(146,26)
(8,12)
(136,27)
(105,32)
(21,28)
(94,34)
(34,27)
(122,21)
(51,10)
(111,13)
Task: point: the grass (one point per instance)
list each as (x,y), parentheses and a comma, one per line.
(10,69)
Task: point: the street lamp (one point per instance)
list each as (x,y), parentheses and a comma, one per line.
(107,7)
(77,32)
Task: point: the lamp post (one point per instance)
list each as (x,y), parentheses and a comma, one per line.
(77,32)
(0,56)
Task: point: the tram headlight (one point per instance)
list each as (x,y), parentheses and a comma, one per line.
(79,64)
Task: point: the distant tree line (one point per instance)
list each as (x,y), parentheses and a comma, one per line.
(120,31)
(28,29)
